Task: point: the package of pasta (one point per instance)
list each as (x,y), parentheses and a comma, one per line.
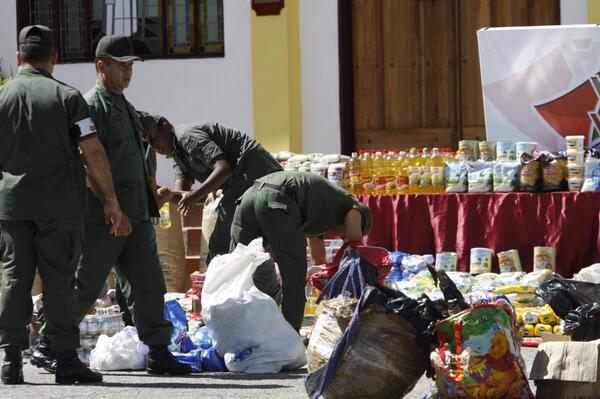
(456,177)
(554,171)
(531,173)
(506,176)
(480,177)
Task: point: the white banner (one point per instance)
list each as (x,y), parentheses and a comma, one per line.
(541,83)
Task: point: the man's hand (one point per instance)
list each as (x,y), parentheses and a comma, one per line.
(112,214)
(125,228)
(188,199)
(164,195)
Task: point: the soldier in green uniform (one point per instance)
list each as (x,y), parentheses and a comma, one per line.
(43,126)
(135,257)
(284,208)
(217,157)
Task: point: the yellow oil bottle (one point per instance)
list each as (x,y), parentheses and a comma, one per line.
(414,171)
(354,175)
(402,173)
(391,172)
(366,172)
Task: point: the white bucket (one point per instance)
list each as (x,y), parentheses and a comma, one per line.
(544,258)
(505,151)
(446,261)
(481,260)
(509,261)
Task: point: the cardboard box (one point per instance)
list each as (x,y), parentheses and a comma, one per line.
(567,370)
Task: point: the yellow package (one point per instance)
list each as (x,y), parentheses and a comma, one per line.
(556,330)
(519,318)
(540,328)
(515,289)
(527,330)
(547,317)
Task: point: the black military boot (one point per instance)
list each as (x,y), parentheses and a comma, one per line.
(161,361)
(12,367)
(42,355)
(70,370)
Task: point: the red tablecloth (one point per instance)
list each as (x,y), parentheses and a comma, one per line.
(429,223)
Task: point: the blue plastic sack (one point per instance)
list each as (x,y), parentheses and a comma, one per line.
(180,341)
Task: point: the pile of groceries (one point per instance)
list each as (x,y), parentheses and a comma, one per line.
(464,330)
(477,166)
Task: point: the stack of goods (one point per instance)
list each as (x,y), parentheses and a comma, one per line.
(576,159)
(334,167)
(105,321)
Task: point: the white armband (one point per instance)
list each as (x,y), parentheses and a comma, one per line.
(86,127)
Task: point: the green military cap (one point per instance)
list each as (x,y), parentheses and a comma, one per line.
(37,35)
(366,216)
(119,48)
(151,122)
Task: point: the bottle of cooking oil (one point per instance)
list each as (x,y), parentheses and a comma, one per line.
(414,172)
(366,172)
(165,216)
(354,174)
(391,172)
(378,173)
(402,173)
(425,168)
(437,172)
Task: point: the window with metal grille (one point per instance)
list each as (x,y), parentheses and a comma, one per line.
(157,28)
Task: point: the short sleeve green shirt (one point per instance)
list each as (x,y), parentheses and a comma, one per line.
(198,145)
(41,171)
(120,131)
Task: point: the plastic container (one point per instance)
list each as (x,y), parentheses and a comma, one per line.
(446,261)
(575,171)
(575,142)
(544,258)
(487,150)
(481,260)
(505,151)
(576,157)
(165,216)
(522,147)
(468,150)
(575,184)
(509,261)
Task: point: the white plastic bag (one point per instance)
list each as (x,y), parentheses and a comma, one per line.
(246,325)
(122,351)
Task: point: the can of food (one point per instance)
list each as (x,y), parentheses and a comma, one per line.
(505,151)
(544,258)
(576,157)
(481,260)
(446,261)
(575,142)
(468,150)
(523,147)
(575,184)
(487,150)
(575,171)
(509,261)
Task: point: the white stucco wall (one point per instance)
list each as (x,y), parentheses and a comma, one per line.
(574,12)
(216,89)
(320,76)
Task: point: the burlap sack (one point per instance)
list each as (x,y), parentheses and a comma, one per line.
(383,360)
(171,252)
(328,329)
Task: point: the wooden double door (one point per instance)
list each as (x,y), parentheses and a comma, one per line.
(410,68)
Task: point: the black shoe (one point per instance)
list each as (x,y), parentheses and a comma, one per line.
(161,361)
(12,367)
(42,355)
(70,370)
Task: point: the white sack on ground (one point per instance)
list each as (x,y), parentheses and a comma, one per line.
(247,327)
